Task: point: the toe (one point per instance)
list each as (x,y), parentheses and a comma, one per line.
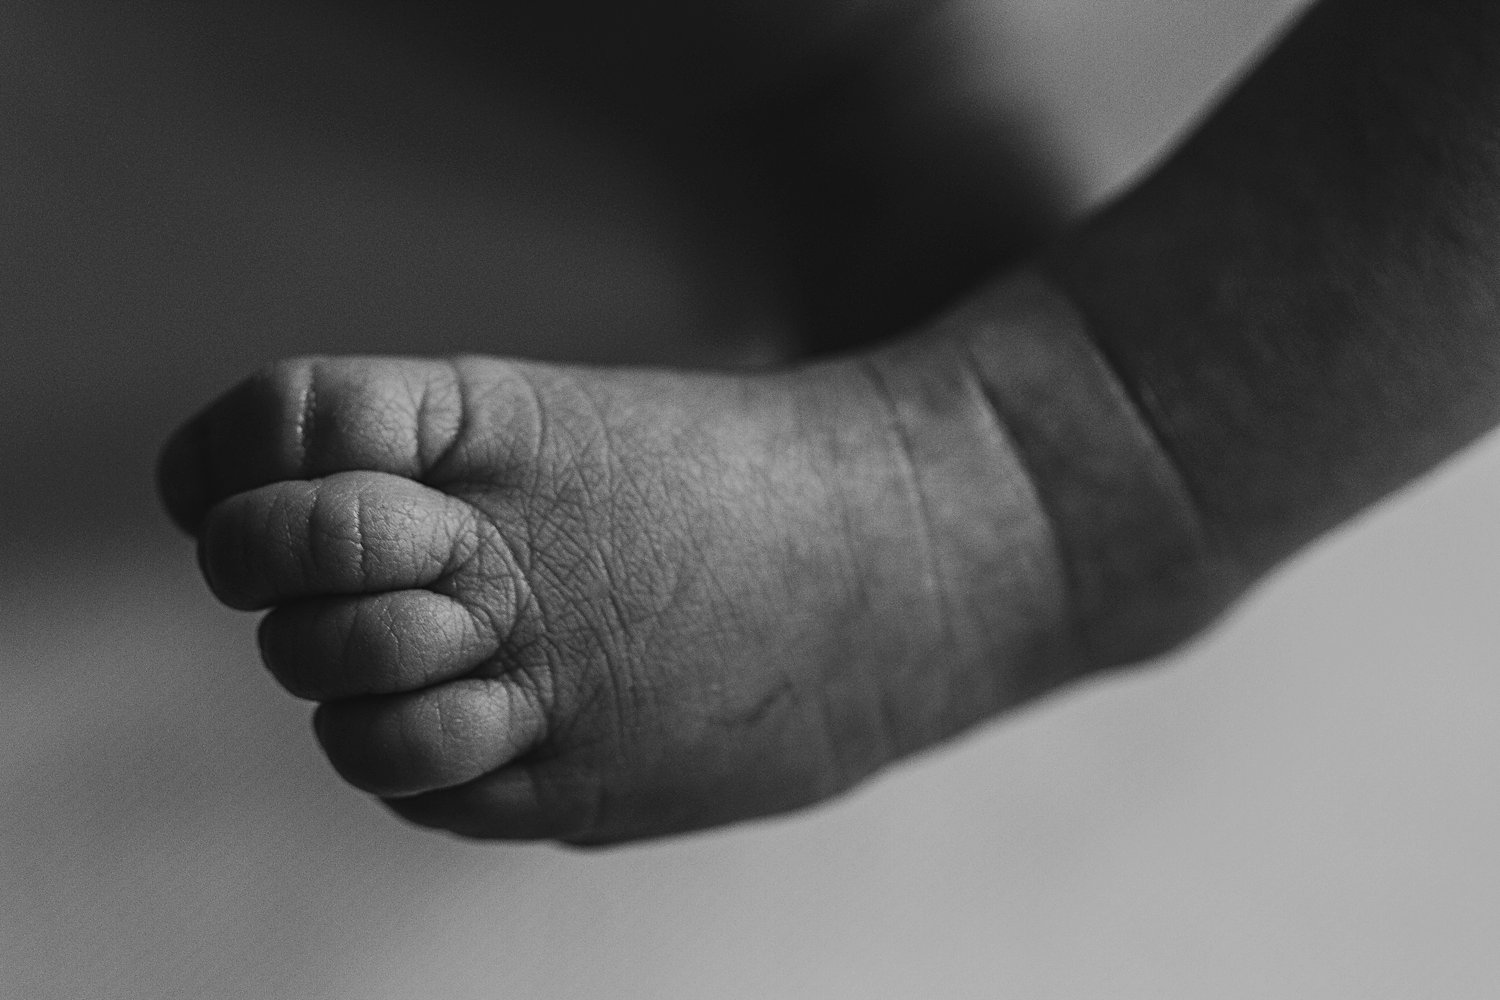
(504,805)
(436,738)
(349,647)
(353,533)
(528,800)
(312,417)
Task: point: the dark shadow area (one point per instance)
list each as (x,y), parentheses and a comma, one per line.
(840,147)
(188,192)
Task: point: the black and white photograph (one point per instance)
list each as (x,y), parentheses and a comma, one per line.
(749,500)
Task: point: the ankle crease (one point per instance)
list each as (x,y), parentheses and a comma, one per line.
(1142,570)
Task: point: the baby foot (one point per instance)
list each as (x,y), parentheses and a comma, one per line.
(596,605)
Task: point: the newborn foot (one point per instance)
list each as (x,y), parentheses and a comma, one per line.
(596,605)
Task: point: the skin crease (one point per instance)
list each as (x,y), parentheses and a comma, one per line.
(599,605)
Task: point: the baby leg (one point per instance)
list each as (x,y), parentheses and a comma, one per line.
(601,604)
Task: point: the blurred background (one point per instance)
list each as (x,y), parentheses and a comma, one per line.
(1303,804)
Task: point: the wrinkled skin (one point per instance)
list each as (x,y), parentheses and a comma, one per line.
(594,605)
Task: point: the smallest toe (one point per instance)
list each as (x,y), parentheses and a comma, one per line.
(527,800)
(440,737)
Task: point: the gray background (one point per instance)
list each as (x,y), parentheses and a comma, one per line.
(1303,805)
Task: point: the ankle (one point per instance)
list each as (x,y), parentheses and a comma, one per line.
(1076,493)
(964,602)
